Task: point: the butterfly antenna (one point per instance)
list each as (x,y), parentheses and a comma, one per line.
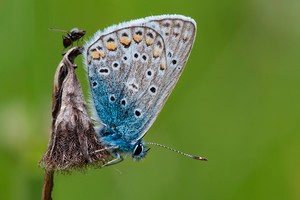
(57,30)
(180,152)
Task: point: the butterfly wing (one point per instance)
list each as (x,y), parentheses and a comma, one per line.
(179,34)
(133,67)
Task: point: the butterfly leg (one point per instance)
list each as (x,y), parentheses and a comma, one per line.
(118,159)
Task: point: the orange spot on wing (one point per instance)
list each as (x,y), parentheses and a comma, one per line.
(162,66)
(125,40)
(111,46)
(156,52)
(102,54)
(137,38)
(95,55)
(149,41)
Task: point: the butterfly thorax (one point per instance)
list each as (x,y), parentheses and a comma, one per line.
(111,138)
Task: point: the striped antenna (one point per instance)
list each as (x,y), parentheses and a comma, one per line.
(58,30)
(180,152)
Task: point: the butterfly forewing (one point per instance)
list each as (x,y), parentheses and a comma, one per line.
(179,35)
(133,68)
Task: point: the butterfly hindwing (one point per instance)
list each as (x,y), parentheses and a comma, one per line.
(123,68)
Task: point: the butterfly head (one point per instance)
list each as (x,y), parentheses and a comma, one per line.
(139,150)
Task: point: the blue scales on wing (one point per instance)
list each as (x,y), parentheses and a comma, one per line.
(132,69)
(126,69)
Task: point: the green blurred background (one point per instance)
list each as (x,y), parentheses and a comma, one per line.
(237,103)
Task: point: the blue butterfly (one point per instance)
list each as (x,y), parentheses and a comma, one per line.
(132,69)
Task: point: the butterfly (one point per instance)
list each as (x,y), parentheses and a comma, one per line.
(132,69)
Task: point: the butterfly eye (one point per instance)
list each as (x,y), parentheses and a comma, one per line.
(138,149)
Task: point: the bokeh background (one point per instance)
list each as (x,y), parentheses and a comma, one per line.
(237,102)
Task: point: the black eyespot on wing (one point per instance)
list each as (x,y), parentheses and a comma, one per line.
(112,98)
(104,71)
(144,57)
(137,113)
(94,84)
(115,65)
(153,89)
(123,102)
(149,73)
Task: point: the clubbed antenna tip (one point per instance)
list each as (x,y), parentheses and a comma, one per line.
(180,152)
(199,158)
